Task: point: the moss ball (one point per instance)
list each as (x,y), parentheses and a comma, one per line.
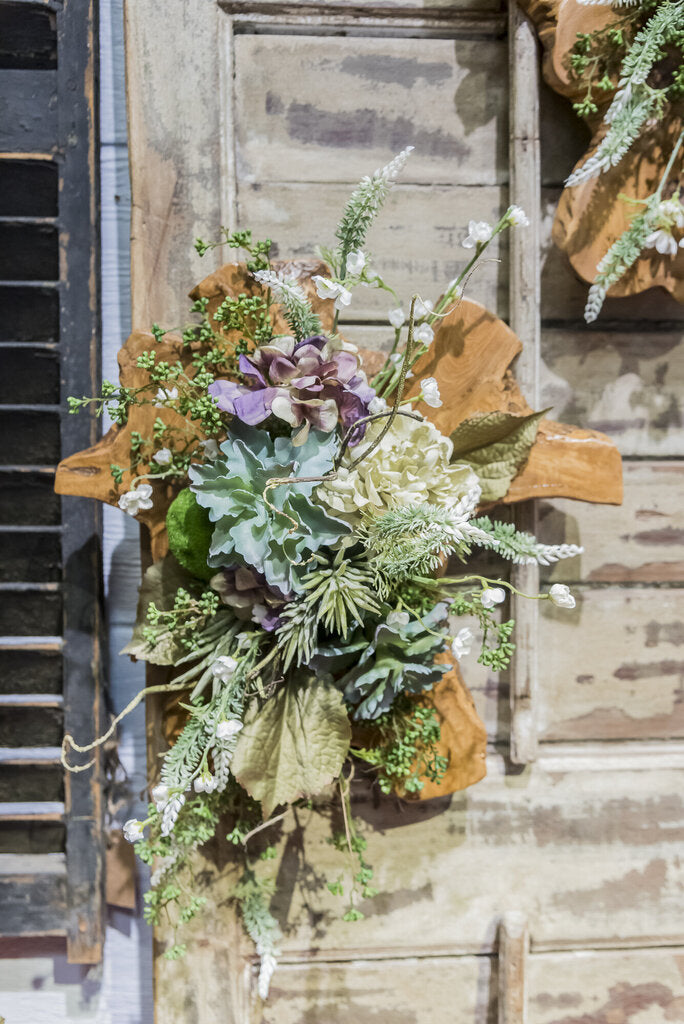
(190,533)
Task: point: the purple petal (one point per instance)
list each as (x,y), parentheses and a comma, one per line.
(281,370)
(321,414)
(249,369)
(347,366)
(306,382)
(255,406)
(316,341)
(225,393)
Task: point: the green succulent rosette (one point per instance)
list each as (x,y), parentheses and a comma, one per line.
(390,658)
(273,529)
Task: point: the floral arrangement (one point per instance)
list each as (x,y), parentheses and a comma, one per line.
(304,608)
(631,71)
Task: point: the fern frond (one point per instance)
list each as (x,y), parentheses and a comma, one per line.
(296,307)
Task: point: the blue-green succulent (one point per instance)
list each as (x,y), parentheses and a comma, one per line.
(397,657)
(275,530)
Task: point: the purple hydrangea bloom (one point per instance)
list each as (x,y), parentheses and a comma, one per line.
(308,382)
(249,595)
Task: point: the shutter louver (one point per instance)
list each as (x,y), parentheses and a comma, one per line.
(50,828)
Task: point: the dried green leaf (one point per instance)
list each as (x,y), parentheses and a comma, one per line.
(160,584)
(295,744)
(496,445)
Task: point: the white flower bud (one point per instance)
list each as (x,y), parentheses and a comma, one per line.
(356,261)
(396,317)
(133,830)
(491,596)
(224,668)
(160,795)
(165,395)
(479,232)
(560,595)
(226,730)
(136,500)
(430,392)
(517,217)
(462,643)
(163,457)
(424,334)
(422,309)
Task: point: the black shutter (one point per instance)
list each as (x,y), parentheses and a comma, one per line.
(50,826)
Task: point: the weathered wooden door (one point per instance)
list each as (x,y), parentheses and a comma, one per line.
(551,891)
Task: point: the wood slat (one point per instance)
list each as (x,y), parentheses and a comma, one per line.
(29,314)
(387,9)
(33,894)
(28,37)
(36,726)
(607,987)
(28,252)
(627,383)
(29,437)
(30,557)
(641,541)
(417,241)
(26,670)
(27,496)
(590,856)
(346,105)
(28,120)
(614,669)
(450,990)
(29,375)
(31,837)
(28,188)
(30,613)
(31,782)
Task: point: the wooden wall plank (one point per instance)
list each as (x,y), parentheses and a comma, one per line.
(607,987)
(175,147)
(641,541)
(335,110)
(590,855)
(32,903)
(450,990)
(614,668)
(628,383)
(389,9)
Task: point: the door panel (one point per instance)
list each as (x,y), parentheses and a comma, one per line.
(282,108)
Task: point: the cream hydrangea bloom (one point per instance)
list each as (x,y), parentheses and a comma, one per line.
(410,466)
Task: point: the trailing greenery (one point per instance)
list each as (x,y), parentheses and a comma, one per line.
(404,748)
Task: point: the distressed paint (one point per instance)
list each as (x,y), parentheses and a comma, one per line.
(628,383)
(587,847)
(614,669)
(337,108)
(641,541)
